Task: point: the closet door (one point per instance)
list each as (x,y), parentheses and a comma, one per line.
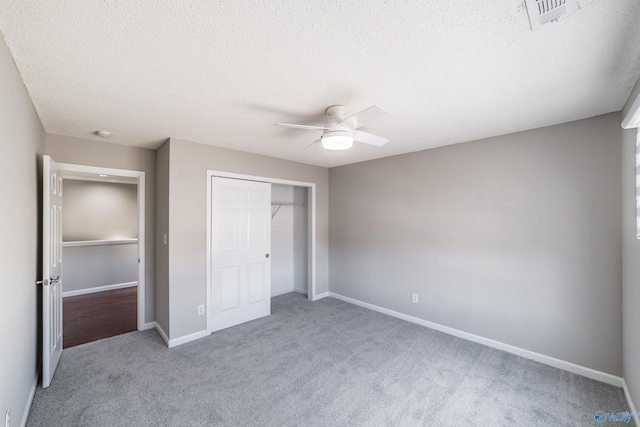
(240,250)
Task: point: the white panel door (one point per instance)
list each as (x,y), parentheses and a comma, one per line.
(51,269)
(240,250)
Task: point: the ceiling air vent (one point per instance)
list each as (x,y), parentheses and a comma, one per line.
(543,11)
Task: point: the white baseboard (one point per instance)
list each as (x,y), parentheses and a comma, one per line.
(277,294)
(163,335)
(322,295)
(32,393)
(288,291)
(632,408)
(99,289)
(147,326)
(179,341)
(188,338)
(527,354)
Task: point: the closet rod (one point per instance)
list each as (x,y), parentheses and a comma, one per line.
(281,204)
(300,205)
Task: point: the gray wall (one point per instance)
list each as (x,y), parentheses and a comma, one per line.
(514,238)
(87,267)
(87,152)
(22,141)
(99,211)
(188,164)
(630,262)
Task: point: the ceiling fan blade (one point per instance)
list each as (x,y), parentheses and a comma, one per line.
(309,146)
(369,138)
(364,117)
(302,126)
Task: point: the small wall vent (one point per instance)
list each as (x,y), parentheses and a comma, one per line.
(543,11)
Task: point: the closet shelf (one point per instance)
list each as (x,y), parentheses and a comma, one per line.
(281,204)
(99,242)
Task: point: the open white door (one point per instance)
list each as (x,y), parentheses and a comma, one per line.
(51,269)
(240,248)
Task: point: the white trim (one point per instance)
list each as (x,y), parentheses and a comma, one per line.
(188,338)
(178,341)
(632,119)
(99,242)
(208,324)
(286,291)
(527,354)
(323,295)
(637,158)
(142,274)
(312,207)
(99,289)
(95,170)
(311,249)
(149,325)
(161,332)
(32,394)
(73,171)
(632,408)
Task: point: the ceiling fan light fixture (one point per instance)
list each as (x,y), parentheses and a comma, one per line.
(339,133)
(337,140)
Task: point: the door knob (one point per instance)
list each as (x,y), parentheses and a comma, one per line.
(266,256)
(56,280)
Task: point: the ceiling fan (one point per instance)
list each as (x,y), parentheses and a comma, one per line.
(339,133)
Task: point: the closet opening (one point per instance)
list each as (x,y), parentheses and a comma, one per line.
(289,239)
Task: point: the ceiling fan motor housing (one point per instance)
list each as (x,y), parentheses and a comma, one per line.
(335,128)
(337,112)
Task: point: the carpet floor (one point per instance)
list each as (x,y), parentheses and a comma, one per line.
(326,363)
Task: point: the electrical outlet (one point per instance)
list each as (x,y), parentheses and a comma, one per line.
(164,239)
(414,298)
(7,418)
(201,310)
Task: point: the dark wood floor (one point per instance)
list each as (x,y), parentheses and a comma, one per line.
(99,315)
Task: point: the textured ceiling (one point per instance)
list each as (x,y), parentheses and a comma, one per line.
(223,72)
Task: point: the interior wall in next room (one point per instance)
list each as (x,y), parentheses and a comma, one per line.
(95,210)
(289,240)
(100,230)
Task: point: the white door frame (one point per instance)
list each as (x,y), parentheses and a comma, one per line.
(311,226)
(72,171)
